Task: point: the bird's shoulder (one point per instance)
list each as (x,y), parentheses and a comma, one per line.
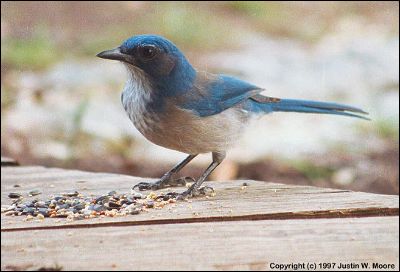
(214,93)
(222,83)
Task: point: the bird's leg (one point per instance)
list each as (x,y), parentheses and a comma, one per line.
(218,157)
(167,179)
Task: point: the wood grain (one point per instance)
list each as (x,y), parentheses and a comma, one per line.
(244,245)
(239,229)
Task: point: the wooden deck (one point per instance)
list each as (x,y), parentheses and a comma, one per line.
(252,228)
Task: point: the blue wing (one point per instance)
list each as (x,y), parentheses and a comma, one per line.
(213,94)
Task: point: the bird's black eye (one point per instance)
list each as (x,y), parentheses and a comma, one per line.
(148,52)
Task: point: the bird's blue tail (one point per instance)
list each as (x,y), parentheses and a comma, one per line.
(265,104)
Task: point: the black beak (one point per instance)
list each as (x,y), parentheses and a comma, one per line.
(115,54)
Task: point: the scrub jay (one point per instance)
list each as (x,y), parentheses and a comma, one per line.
(178,107)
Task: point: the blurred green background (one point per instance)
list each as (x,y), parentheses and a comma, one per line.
(60,105)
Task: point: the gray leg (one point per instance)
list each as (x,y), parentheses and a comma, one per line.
(167,179)
(218,157)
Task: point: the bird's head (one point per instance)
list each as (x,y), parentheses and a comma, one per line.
(155,55)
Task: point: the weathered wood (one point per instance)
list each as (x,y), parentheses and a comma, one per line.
(5,161)
(244,245)
(258,201)
(163,239)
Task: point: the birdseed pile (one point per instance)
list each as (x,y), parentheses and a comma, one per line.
(75,206)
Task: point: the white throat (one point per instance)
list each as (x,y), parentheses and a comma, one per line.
(136,94)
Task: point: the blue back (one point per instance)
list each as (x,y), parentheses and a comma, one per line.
(212,96)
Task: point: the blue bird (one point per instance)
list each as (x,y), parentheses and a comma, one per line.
(178,107)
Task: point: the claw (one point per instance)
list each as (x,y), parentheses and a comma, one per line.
(144,186)
(183,196)
(168,196)
(162,183)
(205,191)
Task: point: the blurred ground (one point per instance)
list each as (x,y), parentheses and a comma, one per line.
(60,106)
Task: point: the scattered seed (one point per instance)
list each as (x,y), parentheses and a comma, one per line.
(14,195)
(30,203)
(29,217)
(28,210)
(34,193)
(70,194)
(11,213)
(102,199)
(150,204)
(137,195)
(43,211)
(133,212)
(79,206)
(79,217)
(97,208)
(87,212)
(40,204)
(152,195)
(112,204)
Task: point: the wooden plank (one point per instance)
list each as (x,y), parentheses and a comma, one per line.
(244,245)
(260,200)
(5,161)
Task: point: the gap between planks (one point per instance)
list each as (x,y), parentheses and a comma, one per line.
(341,213)
(5,161)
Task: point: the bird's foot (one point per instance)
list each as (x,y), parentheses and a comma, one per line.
(192,192)
(162,183)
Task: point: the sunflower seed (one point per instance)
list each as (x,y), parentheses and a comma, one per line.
(34,193)
(14,195)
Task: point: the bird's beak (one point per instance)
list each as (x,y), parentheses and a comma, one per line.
(115,54)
